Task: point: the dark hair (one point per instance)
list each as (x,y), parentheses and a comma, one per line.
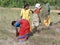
(25,5)
(13,22)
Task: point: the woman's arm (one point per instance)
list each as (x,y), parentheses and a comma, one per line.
(16,32)
(32,11)
(17,24)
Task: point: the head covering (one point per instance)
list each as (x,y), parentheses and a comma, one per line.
(37,5)
(17,24)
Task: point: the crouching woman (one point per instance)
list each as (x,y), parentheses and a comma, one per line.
(24,29)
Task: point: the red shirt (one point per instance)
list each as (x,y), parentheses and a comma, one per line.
(37,11)
(24,27)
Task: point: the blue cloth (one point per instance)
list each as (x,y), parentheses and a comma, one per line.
(23,36)
(17,24)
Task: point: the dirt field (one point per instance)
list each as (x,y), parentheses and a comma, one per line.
(45,36)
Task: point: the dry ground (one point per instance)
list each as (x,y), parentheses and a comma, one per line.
(45,36)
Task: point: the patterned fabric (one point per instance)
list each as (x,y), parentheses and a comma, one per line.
(35,20)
